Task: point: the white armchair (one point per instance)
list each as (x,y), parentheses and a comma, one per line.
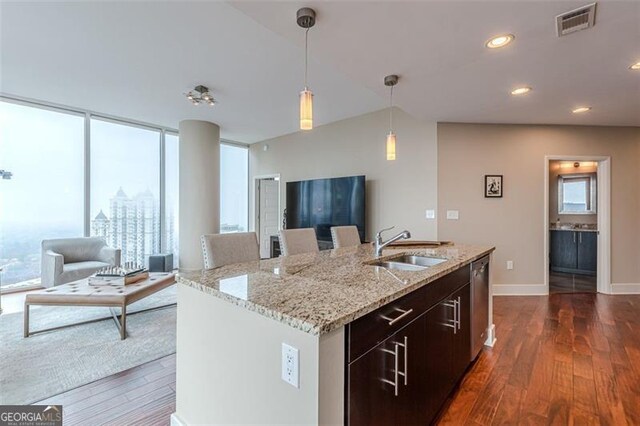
(70,259)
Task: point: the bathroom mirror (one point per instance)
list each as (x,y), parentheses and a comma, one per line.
(577,194)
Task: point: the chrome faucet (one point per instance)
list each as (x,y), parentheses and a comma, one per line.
(380,245)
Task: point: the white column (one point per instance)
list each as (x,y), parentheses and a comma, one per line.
(199,186)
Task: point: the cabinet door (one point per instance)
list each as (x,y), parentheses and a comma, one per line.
(372,399)
(462,336)
(439,351)
(563,250)
(588,252)
(413,382)
(386,383)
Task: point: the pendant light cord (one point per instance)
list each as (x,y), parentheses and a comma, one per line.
(306,38)
(391,110)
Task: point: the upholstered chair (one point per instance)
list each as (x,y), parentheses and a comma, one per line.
(71,259)
(345,236)
(224,249)
(298,241)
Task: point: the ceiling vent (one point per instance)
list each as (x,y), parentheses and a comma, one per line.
(576,20)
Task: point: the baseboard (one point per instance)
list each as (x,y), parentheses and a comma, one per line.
(520,290)
(625,288)
(176,421)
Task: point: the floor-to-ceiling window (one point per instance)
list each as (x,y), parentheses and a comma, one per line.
(44,191)
(234,188)
(125,188)
(42,185)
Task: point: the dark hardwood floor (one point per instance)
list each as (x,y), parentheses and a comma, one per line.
(566,359)
(143,395)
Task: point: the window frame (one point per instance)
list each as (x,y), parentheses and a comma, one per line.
(591,196)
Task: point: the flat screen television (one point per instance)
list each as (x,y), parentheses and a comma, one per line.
(323,203)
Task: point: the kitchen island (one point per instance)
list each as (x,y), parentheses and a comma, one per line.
(362,334)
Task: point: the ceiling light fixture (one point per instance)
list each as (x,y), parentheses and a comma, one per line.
(499,41)
(635,67)
(390,81)
(521,91)
(581,109)
(306,18)
(200,94)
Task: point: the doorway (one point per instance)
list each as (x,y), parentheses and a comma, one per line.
(267,219)
(577,228)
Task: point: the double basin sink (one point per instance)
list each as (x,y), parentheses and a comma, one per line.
(410,263)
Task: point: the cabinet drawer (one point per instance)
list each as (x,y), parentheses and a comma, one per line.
(371,329)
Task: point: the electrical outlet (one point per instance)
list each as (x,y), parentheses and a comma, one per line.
(509,264)
(430,214)
(290,363)
(453,214)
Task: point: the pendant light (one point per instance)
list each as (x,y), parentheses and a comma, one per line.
(391,80)
(306,18)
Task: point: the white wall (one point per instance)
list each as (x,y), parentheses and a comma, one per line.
(229,367)
(398,192)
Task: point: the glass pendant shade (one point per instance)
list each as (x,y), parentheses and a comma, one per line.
(306,109)
(391,146)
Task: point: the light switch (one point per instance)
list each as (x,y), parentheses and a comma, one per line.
(430,214)
(509,264)
(452,214)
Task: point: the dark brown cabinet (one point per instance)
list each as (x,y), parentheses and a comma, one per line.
(462,336)
(574,252)
(385,383)
(448,347)
(403,374)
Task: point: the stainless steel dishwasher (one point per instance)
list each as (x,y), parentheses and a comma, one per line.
(479,304)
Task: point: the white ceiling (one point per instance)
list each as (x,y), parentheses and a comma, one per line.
(136,59)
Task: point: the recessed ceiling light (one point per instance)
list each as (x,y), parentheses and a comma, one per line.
(499,41)
(581,109)
(635,66)
(521,91)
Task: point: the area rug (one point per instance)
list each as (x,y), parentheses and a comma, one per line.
(47,364)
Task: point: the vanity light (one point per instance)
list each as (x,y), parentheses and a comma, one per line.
(499,41)
(521,91)
(581,109)
(635,67)
(306,18)
(390,81)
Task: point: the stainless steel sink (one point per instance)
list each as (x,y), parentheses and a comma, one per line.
(410,263)
(424,261)
(400,266)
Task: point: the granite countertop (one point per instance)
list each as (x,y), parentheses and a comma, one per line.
(320,292)
(574,227)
